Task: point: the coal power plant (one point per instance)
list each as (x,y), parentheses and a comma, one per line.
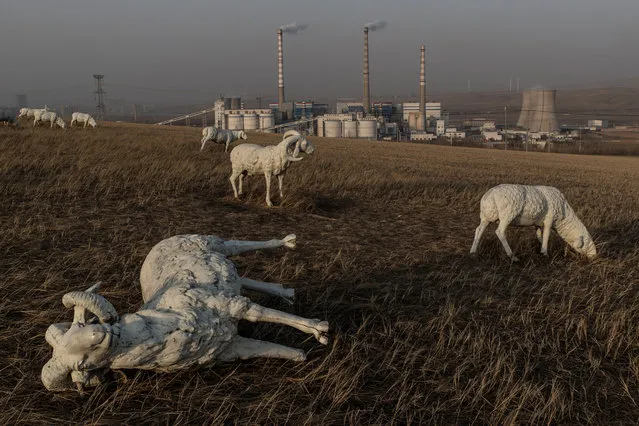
(538,111)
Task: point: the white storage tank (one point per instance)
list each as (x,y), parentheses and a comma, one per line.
(333,128)
(367,129)
(350,129)
(235,122)
(251,121)
(267,120)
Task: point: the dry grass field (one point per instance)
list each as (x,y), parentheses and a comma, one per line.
(421,332)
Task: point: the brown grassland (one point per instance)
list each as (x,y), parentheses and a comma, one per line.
(420,331)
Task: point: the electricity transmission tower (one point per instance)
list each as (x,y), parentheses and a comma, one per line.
(99,91)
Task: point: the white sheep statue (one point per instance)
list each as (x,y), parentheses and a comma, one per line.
(192,306)
(273,160)
(30,112)
(221,136)
(49,116)
(544,207)
(79,117)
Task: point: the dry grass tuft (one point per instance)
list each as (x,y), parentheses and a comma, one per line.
(420,331)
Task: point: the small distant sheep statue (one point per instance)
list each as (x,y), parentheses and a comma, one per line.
(525,205)
(221,136)
(192,305)
(79,117)
(272,160)
(30,112)
(49,116)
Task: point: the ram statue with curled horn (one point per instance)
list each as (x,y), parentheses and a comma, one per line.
(192,306)
(273,160)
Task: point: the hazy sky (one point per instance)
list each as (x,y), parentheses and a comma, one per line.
(195,49)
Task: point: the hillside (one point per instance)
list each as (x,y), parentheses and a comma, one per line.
(420,331)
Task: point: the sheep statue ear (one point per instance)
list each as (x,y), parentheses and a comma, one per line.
(580,242)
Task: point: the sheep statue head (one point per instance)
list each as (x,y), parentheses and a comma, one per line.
(92,122)
(242,135)
(301,144)
(81,349)
(60,122)
(583,244)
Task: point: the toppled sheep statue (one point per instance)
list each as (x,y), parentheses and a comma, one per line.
(545,207)
(192,305)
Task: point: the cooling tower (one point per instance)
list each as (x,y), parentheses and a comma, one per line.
(422,89)
(538,111)
(367,88)
(280,72)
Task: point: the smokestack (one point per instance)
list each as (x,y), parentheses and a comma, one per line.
(422,87)
(367,88)
(280,72)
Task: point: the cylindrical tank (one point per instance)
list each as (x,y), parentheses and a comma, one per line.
(235,122)
(236,103)
(367,129)
(412,121)
(333,128)
(251,121)
(267,120)
(350,129)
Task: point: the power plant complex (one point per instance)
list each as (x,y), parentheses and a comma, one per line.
(417,119)
(420,120)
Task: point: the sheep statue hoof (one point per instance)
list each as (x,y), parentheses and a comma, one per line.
(290,241)
(544,207)
(192,307)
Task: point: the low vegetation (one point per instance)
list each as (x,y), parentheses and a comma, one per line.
(421,332)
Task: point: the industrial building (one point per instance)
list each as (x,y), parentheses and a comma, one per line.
(411,114)
(308,109)
(597,125)
(349,107)
(242,119)
(347,126)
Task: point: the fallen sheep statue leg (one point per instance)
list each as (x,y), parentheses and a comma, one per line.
(245,348)
(287,294)
(317,328)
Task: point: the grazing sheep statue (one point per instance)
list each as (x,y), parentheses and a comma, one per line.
(273,160)
(221,136)
(542,206)
(30,112)
(48,116)
(79,117)
(192,305)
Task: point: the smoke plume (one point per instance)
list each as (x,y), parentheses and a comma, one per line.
(293,28)
(376,25)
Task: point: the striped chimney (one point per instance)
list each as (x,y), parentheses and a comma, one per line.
(422,88)
(280,72)
(367,87)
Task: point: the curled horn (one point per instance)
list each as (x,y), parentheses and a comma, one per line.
(293,137)
(92,302)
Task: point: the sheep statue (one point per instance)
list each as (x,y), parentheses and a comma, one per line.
(30,112)
(192,306)
(273,160)
(79,117)
(545,207)
(221,136)
(48,116)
